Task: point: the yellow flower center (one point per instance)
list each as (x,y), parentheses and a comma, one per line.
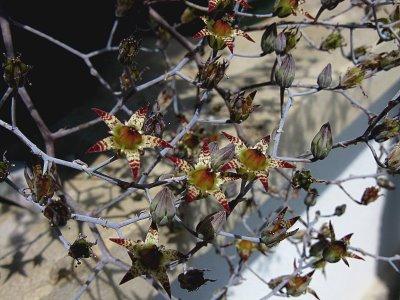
(204,179)
(127,137)
(222,28)
(253,159)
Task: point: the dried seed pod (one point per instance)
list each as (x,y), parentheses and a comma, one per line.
(371,194)
(302,179)
(128,50)
(212,73)
(353,77)
(58,212)
(241,106)
(192,279)
(81,249)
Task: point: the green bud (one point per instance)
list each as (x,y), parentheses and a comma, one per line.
(162,207)
(284,8)
(128,50)
(280,43)
(332,41)
(209,227)
(15,72)
(340,210)
(285,72)
(321,145)
(293,36)
(325,77)
(268,39)
(385,130)
(311,198)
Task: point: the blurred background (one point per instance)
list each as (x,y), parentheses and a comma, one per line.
(34,263)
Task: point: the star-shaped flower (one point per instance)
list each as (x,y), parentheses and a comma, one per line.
(148,258)
(214,4)
(202,179)
(220,33)
(253,161)
(127,138)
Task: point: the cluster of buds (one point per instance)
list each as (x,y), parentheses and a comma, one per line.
(128,50)
(81,248)
(393,159)
(324,79)
(353,77)
(241,106)
(333,41)
(296,285)
(162,207)
(302,180)
(15,72)
(5,166)
(321,144)
(42,185)
(208,228)
(277,230)
(212,73)
(57,211)
(192,279)
(388,128)
(371,194)
(281,43)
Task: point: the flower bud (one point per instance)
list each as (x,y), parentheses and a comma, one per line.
(293,36)
(285,73)
(222,156)
(241,106)
(370,195)
(330,4)
(268,39)
(58,212)
(387,129)
(284,8)
(212,73)
(393,158)
(128,50)
(325,77)
(302,179)
(311,198)
(340,210)
(15,72)
(384,182)
(332,41)
(162,207)
(4,169)
(321,144)
(192,279)
(209,227)
(353,77)
(280,43)
(81,249)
